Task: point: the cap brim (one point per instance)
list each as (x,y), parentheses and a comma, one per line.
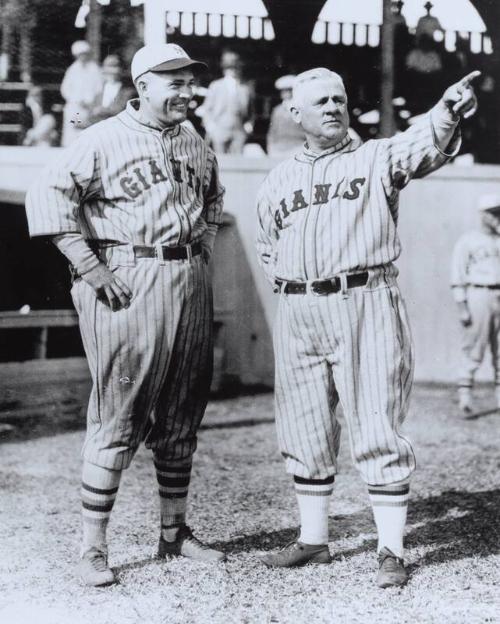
(178,63)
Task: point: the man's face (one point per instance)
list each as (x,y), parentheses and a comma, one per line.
(320,107)
(111,73)
(167,94)
(286,94)
(491,219)
(84,57)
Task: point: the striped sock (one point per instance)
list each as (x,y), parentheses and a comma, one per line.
(389,504)
(99,488)
(313,497)
(173,485)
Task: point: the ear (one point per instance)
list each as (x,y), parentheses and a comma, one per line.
(295,112)
(142,87)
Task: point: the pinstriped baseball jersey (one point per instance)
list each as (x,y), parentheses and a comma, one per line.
(326,215)
(323,215)
(475,260)
(130,184)
(138,185)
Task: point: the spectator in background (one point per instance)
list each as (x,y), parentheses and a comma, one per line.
(42,123)
(284,135)
(114,95)
(228,108)
(81,85)
(475,281)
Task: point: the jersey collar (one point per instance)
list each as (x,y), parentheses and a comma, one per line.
(347,144)
(132,117)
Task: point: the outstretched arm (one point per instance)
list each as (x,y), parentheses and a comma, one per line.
(430,142)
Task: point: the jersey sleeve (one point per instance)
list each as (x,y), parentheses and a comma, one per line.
(213,192)
(459,278)
(414,153)
(53,200)
(267,233)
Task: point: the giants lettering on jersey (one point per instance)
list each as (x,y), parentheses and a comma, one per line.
(483,253)
(322,194)
(142,179)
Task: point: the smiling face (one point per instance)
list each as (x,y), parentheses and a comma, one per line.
(320,107)
(165,96)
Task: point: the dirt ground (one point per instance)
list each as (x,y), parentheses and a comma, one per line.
(242,501)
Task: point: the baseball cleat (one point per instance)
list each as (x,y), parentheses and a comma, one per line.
(93,569)
(465,401)
(391,571)
(187,545)
(465,407)
(297,554)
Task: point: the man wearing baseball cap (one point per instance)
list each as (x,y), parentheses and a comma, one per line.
(475,282)
(135,204)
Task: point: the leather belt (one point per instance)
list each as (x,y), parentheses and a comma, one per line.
(322,287)
(167,253)
(146,251)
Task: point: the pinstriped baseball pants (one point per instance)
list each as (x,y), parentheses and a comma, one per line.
(484,332)
(151,364)
(357,350)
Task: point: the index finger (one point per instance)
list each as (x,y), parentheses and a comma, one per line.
(466,80)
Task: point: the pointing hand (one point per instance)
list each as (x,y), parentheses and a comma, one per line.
(460,98)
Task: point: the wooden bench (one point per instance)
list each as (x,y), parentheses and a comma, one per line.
(40,320)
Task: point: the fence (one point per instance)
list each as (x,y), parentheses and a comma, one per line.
(434,212)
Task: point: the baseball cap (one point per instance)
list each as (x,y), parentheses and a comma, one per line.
(285,82)
(160,57)
(490,201)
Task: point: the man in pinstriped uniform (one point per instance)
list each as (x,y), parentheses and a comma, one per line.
(135,205)
(475,282)
(327,241)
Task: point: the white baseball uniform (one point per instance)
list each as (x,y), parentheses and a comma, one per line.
(125,184)
(475,279)
(330,215)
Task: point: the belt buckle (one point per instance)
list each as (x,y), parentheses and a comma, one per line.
(336,285)
(310,287)
(189,252)
(159,254)
(324,293)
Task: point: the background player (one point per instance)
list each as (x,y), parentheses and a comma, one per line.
(327,240)
(135,204)
(475,281)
